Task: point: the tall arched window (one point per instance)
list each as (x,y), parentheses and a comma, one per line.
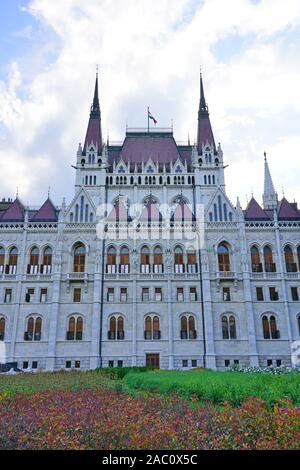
(2,259)
(75,328)
(152,328)
(2,329)
(46,267)
(228,327)
(111,264)
(188,329)
(145,260)
(33,267)
(79,258)
(270,330)
(290,264)
(255,260)
(34,329)
(124,260)
(12,261)
(116,328)
(192,266)
(178,260)
(223,257)
(270,266)
(158,260)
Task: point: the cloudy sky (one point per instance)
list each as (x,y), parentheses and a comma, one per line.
(149,53)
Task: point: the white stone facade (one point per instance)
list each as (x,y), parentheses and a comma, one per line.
(198,294)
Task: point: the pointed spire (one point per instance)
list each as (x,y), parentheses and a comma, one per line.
(94,132)
(205,133)
(270,200)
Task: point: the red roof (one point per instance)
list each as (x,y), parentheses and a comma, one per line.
(47,213)
(287,211)
(15,212)
(255,212)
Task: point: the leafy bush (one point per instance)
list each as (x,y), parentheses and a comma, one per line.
(219,387)
(120,372)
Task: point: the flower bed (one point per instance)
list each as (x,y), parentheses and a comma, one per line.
(95,419)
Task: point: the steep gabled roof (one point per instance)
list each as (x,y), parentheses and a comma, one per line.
(183,213)
(255,212)
(150,213)
(118,213)
(287,212)
(47,213)
(14,213)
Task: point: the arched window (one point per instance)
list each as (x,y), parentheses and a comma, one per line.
(34,329)
(158,260)
(178,260)
(228,327)
(46,267)
(75,328)
(124,260)
(111,265)
(2,329)
(290,264)
(270,327)
(188,329)
(255,260)
(298,256)
(223,257)
(192,265)
(33,266)
(2,259)
(145,260)
(116,328)
(152,328)
(270,266)
(12,261)
(79,258)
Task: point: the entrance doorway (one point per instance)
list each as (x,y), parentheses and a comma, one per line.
(152,360)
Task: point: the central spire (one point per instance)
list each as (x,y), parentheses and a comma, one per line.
(205,133)
(270,199)
(94,132)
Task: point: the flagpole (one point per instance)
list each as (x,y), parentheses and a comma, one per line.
(148,119)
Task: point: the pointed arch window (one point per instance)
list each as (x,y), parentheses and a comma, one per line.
(33,266)
(34,329)
(116,328)
(124,260)
(75,328)
(255,260)
(145,260)
(2,259)
(291,266)
(11,268)
(270,330)
(2,328)
(270,266)
(46,267)
(158,266)
(178,260)
(223,258)
(111,260)
(188,329)
(79,258)
(192,265)
(228,327)
(152,328)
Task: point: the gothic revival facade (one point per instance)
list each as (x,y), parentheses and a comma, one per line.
(150,263)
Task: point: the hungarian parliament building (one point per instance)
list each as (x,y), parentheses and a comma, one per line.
(150,263)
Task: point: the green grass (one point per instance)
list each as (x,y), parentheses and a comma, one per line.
(218,387)
(31,383)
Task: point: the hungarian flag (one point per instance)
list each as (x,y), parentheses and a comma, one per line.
(151,117)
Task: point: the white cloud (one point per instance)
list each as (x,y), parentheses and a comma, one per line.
(149,53)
